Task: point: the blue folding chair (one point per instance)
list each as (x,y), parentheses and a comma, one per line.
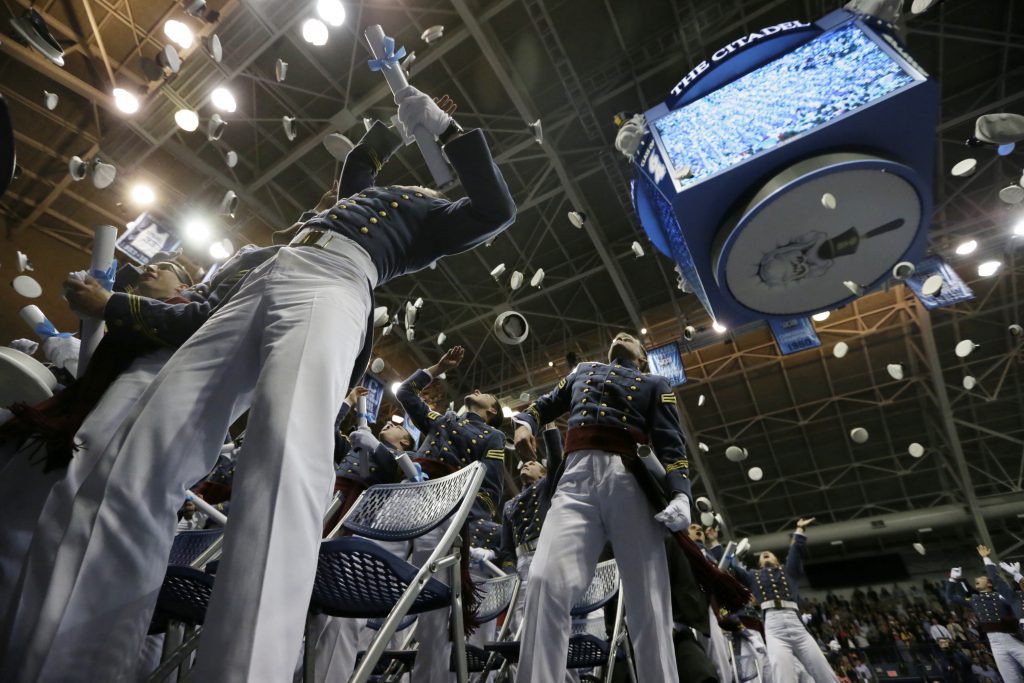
(497,595)
(185,595)
(587,650)
(356,578)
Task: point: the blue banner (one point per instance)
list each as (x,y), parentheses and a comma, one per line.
(794,335)
(954,290)
(667,362)
(374,398)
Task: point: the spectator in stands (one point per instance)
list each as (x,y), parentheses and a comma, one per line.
(938,631)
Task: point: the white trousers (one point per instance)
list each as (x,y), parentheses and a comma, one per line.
(1009,655)
(597,500)
(751,650)
(787,640)
(717,647)
(290,337)
(41,505)
(433,655)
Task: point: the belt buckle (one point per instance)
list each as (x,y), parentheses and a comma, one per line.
(778,603)
(310,238)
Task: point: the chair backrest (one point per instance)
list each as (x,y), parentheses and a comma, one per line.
(602,588)
(398,512)
(497,594)
(188,545)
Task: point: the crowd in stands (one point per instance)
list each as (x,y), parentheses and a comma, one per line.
(881,633)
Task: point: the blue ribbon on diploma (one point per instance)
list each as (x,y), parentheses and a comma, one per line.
(390,58)
(46,329)
(106,277)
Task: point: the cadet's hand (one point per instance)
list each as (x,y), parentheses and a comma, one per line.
(451,358)
(416,109)
(526,443)
(955,573)
(481,554)
(353,396)
(88,298)
(363,439)
(801,524)
(676,515)
(984,551)
(1011,568)
(285,236)
(329,199)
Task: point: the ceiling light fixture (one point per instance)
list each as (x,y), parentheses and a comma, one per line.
(314,32)
(142,194)
(186,119)
(179,33)
(821,317)
(989,268)
(331,11)
(718,327)
(966,247)
(125,101)
(223,99)
(197,230)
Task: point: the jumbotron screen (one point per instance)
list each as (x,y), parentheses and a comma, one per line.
(821,80)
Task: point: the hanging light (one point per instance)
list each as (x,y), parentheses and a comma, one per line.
(643,330)
(966,247)
(395,387)
(223,99)
(179,33)
(314,32)
(142,194)
(197,230)
(718,327)
(989,268)
(331,11)
(1018,229)
(186,119)
(821,317)
(125,101)
(221,249)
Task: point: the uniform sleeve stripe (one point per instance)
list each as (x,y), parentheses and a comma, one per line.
(496,454)
(668,398)
(433,415)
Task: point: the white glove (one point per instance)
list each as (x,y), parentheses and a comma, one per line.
(481,554)
(955,573)
(417,109)
(26,346)
(1013,569)
(676,516)
(63,352)
(363,439)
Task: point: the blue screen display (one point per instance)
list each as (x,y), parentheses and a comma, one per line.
(817,82)
(666,361)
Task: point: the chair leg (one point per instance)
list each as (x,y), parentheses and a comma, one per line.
(458,630)
(174,659)
(309,651)
(617,634)
(173,638)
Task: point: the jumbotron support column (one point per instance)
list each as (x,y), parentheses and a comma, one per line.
(931,355)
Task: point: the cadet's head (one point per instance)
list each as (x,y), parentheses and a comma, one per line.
(486,406)
(711,533)
(982,584)
(627,347)
(531,471)
(696,532)
(767,559)
(163,279)
(397,436)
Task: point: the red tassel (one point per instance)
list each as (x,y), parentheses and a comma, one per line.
(726,590)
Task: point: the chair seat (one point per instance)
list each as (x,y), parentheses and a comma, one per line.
(405,623)
(406,657)
(184,595)
(356,578)
(585,651)
(476,659)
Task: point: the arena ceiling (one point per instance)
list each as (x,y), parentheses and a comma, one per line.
(572,65)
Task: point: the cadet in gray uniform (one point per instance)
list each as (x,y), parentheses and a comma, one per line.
(451,441)
(291,342)
(775,588)
(612,407)
(993,607)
